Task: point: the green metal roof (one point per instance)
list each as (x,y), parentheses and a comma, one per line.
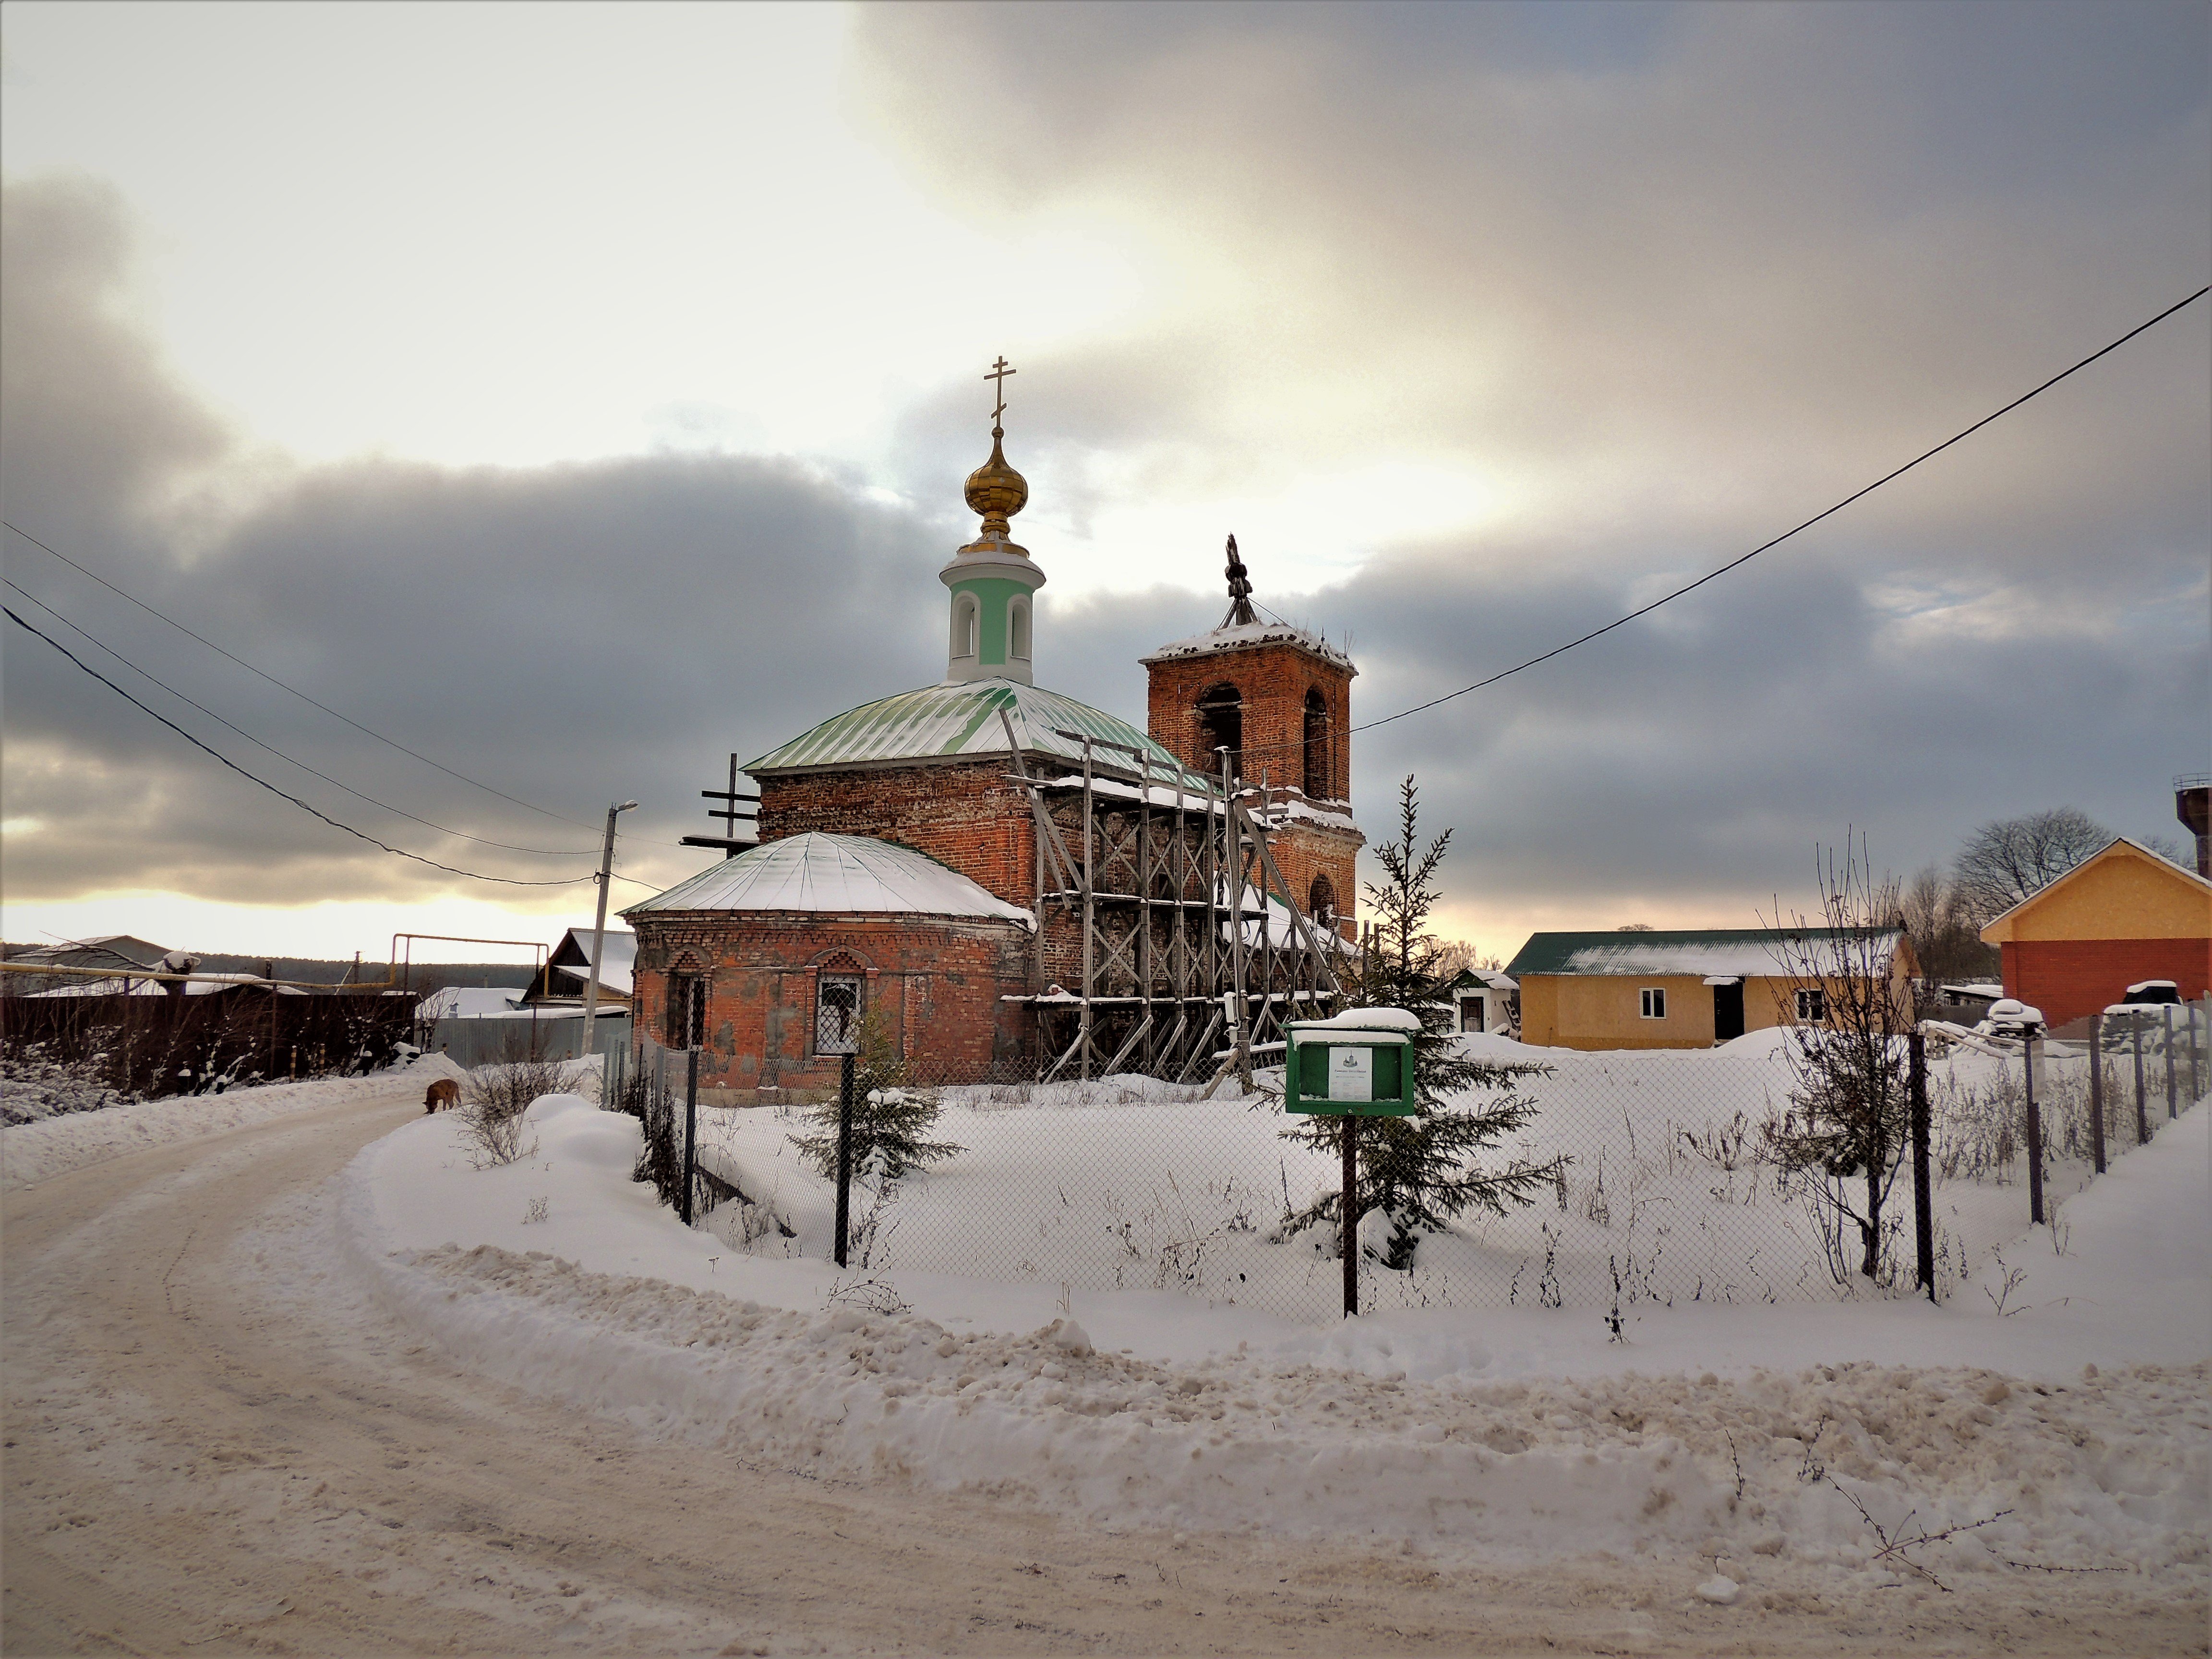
(944,721)
(1713,951)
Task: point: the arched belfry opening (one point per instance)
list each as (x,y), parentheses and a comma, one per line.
(1221,725)
(1321,903)
(1316,744)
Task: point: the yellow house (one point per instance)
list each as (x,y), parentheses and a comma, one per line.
(2121,916)
(1680,990)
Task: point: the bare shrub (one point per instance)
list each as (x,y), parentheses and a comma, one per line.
(494,1098)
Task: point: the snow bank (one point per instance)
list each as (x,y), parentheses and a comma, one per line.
(32,1152)
(560,1275)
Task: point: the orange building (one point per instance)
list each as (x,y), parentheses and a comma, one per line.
(2121,917)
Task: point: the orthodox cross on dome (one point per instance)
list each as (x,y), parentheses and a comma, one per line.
(1240,592)
(999,373)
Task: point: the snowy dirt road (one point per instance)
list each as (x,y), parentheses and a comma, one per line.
(203,1455)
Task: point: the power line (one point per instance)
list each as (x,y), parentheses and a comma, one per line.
(293,689)
(542,852)
(1747,557)
(359,834)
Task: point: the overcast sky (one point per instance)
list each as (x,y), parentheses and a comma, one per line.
(577,395)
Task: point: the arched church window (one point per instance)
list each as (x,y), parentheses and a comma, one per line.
(1317,735)
(1221,725)
(686,1010)
(1017,628)
(964,625)
(838,1005)
(1321,903)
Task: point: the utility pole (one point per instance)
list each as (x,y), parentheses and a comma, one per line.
(600,930)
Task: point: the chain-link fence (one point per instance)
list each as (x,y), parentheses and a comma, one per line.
(1671,1185)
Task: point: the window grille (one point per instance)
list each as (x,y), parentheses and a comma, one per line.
(837,1014)
(1653,1000)
(687,1010)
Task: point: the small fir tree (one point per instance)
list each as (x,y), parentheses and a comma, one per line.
(1422,1171)
(891,1117)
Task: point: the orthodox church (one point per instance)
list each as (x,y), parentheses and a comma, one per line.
(1001,880)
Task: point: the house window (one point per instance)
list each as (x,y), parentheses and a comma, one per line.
(837,1014)
(1018,626)
(1812,1006)
(1221,725)
(687,1010)
(1316,736)
(1652,1000)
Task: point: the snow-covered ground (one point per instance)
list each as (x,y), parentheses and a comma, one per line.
(36,1152)
(1664,1200)
(2068,1430)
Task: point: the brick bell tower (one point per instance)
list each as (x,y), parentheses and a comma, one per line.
(1278,700)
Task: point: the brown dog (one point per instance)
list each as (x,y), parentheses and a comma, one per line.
(444,1092)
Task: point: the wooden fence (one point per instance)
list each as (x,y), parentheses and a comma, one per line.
(169,1045)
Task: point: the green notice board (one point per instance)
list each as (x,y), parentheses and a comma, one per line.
(1334,1070)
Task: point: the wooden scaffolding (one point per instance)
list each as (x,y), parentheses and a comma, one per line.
(1167,940)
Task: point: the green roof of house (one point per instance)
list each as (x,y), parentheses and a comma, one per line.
(958,719)
(1710,952)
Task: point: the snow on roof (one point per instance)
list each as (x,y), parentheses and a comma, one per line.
(574,953)
(1247,635)
(1711,953)
(471,1002)
(955,720)
(840,873)
(200,985)
(1364,1019)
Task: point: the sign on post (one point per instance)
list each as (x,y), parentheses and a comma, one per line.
(1359,1064)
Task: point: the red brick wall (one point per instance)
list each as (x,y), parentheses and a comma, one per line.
(2069,978)
(937,983)
(1272,680)
(961,815)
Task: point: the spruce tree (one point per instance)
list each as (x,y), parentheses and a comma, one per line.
(1422,1170)
(891,1117)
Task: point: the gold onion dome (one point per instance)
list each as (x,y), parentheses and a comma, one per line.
(996,491)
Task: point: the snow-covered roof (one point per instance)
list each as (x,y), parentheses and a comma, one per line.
(1245,635)
(574,954)
(472,1002)
(200,985)
(850,874)
(953,720)
(1709,953)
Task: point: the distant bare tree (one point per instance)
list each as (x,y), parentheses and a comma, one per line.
(2014,858)
(1455,957)
(1943,937)
(1635,928)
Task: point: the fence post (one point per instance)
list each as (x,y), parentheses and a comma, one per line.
(2097,1092)
(691,1125)
(2030,1051)
(1347,1214)
(844,1151)
(2142,1122)
(1923,1196)
(2166,1020)
(2196,1077)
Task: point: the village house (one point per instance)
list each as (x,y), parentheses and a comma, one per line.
(998,874)
(1688,989)
(2120,917)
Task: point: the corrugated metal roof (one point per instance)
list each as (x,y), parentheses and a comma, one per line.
(940,721)
(1738,951)
(853,875)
